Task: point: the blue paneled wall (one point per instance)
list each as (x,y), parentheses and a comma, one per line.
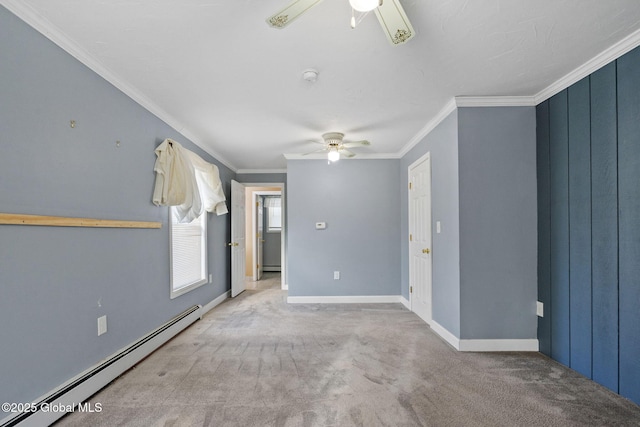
(588,161)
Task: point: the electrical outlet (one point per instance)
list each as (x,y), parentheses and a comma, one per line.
(539,309)
(102,325)
(336,275)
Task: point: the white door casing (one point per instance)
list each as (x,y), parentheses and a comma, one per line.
(257,230)
(283,240)
(237,238)
(420,250)
(259,243)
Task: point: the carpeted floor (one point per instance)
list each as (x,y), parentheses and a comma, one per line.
(258,361)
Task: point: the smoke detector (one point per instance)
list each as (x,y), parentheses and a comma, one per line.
(310,75)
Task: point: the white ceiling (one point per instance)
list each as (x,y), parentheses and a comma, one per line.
(216,72)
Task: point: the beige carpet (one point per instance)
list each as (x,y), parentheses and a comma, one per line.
(258,361)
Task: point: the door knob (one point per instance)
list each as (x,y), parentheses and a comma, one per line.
(426,251)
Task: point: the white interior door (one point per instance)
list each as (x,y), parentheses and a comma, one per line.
(237,238)
(420,261)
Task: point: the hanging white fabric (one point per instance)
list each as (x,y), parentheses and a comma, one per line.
(185,180)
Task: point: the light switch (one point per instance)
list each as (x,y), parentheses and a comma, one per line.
(321,225)
(539,309)
(438,227)
(102,325)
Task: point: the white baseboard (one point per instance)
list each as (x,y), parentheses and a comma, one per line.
(484,345)
(499,345)
(214,303)
(445,334)
(405,302)
(362,299)
(79,388)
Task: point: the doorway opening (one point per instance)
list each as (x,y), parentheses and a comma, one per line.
(265,228)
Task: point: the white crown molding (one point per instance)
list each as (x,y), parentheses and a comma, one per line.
(53,33)
(430,126)
(607,56)
(495,101)
(239,171)
(321,156)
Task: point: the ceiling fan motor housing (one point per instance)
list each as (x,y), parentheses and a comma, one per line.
(333,139)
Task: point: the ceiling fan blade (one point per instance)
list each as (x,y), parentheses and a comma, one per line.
(291,12)
(394,22)
(346,153)
(316,151)
(355,144)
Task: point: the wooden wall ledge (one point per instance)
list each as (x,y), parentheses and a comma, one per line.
(61,221)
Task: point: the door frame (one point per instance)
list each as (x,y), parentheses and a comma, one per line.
(424,158)
(238,239)
(254,227)
(283,239)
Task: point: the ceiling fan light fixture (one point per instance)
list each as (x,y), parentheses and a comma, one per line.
(333,155)
(364,5)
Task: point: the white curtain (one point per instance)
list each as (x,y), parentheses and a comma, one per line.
(185,180)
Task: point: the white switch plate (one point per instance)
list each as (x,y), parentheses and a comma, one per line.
(336,275)
(438,227)
(211,278)
(321,225)
(102,325)
(539,309)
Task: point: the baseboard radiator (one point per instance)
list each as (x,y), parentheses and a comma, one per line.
(80,388)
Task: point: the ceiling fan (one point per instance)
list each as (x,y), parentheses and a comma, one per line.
(335,146)
(393,19)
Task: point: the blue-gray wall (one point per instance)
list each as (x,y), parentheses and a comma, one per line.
(442,144)
(589,228)
(360,202)
(483,178)
(56,281)
(498,229)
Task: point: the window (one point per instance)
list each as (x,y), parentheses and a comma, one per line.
(274,214)
(188,254)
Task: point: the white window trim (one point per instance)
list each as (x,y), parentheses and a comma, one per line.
(184,289)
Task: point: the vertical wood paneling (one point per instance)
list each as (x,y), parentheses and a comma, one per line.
(592,198)
(580,226)
(629,222)
(559,225)
(544,227)
(604,226)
